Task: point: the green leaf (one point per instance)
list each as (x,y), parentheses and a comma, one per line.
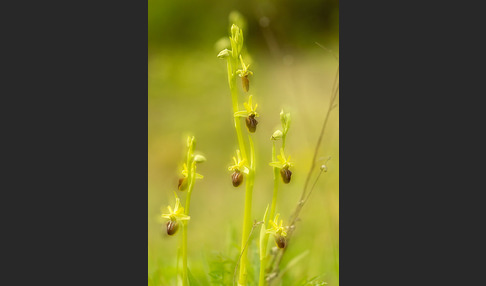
(263,246)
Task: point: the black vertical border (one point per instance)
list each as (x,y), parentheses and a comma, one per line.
(74,105)
(409,143)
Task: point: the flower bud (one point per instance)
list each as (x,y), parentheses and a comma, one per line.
(285,119)
(234,30)
(182,184)
(323,168)
(286,175)
(237,178)
(199,159)
(245,82)
(172,227)
(280,241)
(224,54)
(277,135)
(251,123)
(191,141)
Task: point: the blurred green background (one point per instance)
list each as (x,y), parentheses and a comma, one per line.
(188,93)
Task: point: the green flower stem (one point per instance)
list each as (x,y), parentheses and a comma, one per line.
(184,253)
(191,177)
(275,183)
(232,64)
(283,142)
(261,280)
(178,268)
(263,259)
(247,224)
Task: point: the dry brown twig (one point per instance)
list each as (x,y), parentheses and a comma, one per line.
(303,198)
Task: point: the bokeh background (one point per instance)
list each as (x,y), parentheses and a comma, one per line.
(188,93)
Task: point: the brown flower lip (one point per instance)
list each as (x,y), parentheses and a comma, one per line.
(280,241)
(237,178)
(251,123)
(172,227)
(286,175)
(182,184)
(245,82)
